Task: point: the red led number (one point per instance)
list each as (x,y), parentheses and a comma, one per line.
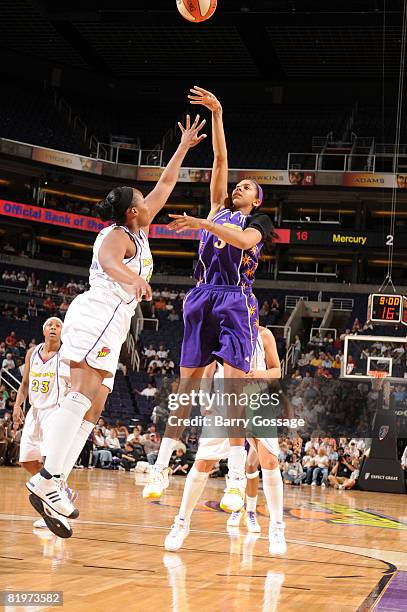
(302,236)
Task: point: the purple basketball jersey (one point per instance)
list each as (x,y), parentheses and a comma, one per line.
(223,264)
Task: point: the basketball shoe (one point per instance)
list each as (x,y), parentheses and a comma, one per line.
(252,523)
(277,541)
(179,531)
(158,480)
(233,498)
(234,519)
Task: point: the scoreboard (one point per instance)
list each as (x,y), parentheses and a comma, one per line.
(347,239)
(387,308)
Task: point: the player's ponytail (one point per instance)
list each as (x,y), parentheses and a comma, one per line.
(115,204)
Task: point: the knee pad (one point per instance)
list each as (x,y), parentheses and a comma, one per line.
(253,475)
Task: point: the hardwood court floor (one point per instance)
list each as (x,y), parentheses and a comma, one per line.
(344,550)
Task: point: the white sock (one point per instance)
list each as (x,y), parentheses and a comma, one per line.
(77,445)
(237,462)
(194,486)
(251,504)
(63,429)
(273,491)
(165,452)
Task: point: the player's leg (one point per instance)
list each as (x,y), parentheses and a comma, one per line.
(194,486)
(48,485)
(273,492)
(89,421)
(190,379)
(32,467)
(233,498)
(201,337)
(252,475)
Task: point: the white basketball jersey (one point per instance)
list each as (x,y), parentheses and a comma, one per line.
(259,356)
(46,388)
(141,263)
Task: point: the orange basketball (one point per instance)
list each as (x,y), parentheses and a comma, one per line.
(196,10)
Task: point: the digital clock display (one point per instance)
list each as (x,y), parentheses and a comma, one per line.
(385,308)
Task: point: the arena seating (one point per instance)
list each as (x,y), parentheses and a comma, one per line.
(32,117)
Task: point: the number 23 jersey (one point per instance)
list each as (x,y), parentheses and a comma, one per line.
(46,383)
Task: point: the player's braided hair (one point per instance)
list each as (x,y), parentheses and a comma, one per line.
(115,204)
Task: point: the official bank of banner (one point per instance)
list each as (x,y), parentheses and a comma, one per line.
(92,224)
(67,160)
(53,217)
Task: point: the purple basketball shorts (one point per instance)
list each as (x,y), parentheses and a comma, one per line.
(220,322)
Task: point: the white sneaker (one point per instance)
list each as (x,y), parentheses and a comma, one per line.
(313,484)
(40,524)
(252,523)
(233,498)
(234,519)
(323,485)
(157,481)
(56,523)
(278,544)
(179,531)
(52,493)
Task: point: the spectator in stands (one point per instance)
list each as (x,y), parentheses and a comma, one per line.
(63,307)
(13,449)
(297,351)
(326,361)
(293,472)
(178,463)
(345,333)
(275,306)
(11,340)
(159,304)
(10,401)
(151,447)
(168,368)
(332,455)
(102,425)
(32,309)
(21,276)
(100,452)
(5,439)
(49,288)
(71,287)
(296,375)
(356,327)
(316,339)
(6,311)
(308,463)
(165,293)
(321,467)
(8,362)
(129,458)
(122,432)
(33,342)
(6,277)
(148,354)
(173,316)
(162,352)
(2,404)
(316,362)
(113,443)
(265,309)
(341,470)
(49,305)
(149,391)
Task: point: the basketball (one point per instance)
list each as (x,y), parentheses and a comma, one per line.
(196,10)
